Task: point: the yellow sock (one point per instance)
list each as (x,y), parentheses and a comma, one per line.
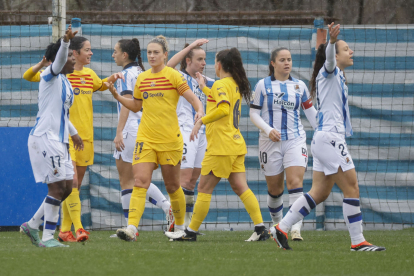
(66,220)
(74,206)
(200,212)
(178,206)
(136,205)
(252,206)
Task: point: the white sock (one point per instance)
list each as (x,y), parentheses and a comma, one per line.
(38,217)
(300,209)
(275,204)
(125,199)
(156,197)
(133,228)
(294,194)
(353,219)
(189,205)
(51,209)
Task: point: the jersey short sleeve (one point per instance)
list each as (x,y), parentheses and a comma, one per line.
(97,82)
(258,98)
(220,93)
(126,87)
(179,82)
(306,98)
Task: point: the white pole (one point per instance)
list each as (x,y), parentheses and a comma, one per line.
(58,19)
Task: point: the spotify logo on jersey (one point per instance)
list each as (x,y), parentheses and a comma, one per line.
(76,91)
(145,95)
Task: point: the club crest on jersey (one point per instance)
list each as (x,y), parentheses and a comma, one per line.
(152,84)
(297,89)
(82,80)
(76,91)
(145,95)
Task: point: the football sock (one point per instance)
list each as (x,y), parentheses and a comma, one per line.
(189,201)
(275,204)
(51,209)
(136,206)
(294,194)
(156,197)
(74,206)
(38,217)
(201,208)
(252,207)
(300,209)
(66,220)
(125,199)
(177,200)
(353,219)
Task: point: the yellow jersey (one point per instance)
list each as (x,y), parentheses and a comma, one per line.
(160,93)
(224,136)
(84,83)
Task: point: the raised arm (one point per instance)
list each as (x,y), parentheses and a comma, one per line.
(62,54)
(33,73)
(178,57)
(330,62)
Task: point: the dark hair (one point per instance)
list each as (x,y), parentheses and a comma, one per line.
(231,61)
(52,49)
(76,43)
(273,56)
(132,48)
(183,64)
(319,62)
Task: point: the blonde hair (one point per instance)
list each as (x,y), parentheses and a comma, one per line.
(161,40)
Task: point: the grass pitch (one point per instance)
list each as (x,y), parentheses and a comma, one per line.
(216,253)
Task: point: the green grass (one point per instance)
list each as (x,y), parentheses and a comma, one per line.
(216,253)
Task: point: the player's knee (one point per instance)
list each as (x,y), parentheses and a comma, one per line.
(293,183)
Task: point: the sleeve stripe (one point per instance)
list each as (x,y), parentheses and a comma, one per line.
(126,92)
(137,99)
(255,106)
(223,101)
(182,88)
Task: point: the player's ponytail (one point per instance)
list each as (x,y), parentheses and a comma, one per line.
(319,62)
(273,57)
(51,50)
(76,43)
(161,40)
(183,63)
(132,48)
(231,62)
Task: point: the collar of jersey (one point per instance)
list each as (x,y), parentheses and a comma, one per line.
(130,65)
(272,77)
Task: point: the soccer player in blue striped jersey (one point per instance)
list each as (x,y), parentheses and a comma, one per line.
(48,141)
(192,60)
(332,162)
(275,110)
(127,53)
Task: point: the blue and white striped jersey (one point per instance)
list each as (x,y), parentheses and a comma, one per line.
(130,72)
(332,102)
(54,100)
(280,102)
(185,110)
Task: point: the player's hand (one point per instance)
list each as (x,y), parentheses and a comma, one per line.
(116,76)
(196,128)
(201,80)
(198,115)
(112,89)
(198,42)
(69,34)
(274,135)
(44,62)
(77,142)
(119,142)
(333,32)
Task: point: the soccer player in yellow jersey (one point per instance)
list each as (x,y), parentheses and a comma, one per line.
(226,148)
(159,140)
(84,82)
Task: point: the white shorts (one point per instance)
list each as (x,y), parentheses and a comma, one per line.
(128,152)
(275,157)
(193,152)
(50,160)
(330,152)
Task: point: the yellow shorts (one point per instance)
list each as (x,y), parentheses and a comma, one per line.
(84,157)
(144,152)
(222,165)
